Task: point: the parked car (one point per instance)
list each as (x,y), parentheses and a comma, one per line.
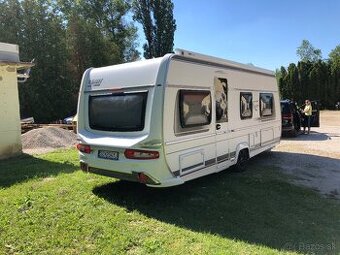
(291,118)
(68,120)
(72,120)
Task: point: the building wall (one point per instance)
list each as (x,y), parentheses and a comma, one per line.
(10,128)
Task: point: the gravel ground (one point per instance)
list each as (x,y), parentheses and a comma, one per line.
(313,160)
(43,140)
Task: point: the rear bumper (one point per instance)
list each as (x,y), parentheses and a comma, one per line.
(134,176)
(287,129)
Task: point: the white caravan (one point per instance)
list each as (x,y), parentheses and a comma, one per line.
(168,120)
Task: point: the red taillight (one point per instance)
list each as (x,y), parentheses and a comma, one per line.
(142,178)
(140,154)
(287,116)
(84,148)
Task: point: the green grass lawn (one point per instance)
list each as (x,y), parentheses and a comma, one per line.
(48,206)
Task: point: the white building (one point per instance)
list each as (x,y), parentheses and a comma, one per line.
(10,128)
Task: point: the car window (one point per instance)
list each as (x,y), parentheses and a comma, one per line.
(285,108)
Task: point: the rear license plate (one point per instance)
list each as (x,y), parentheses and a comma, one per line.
(112,155)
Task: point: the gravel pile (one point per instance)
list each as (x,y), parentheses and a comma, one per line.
(47,139)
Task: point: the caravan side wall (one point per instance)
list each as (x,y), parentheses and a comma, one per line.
(198,150)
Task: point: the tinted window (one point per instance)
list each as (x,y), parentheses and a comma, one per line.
(285,109)
(246,105)
(266,104)
(118,112)
(195,108)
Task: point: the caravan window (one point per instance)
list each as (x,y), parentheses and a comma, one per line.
(122,112)
(266,104)
(221,97)
(195,108)
(246,105)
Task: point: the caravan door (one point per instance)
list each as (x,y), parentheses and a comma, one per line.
(221,118)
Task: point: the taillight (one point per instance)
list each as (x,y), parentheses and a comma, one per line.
(287,116)
(143,178)
(140,154)
(84,148)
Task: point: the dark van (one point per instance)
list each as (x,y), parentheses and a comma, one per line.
(292,119)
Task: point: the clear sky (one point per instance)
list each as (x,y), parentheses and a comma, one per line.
(262,32)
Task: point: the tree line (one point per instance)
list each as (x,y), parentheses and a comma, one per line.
(66,37)
(312,77)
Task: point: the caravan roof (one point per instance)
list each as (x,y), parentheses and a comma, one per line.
(145,71)
(123,77)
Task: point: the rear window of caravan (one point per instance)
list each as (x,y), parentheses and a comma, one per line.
(124,112)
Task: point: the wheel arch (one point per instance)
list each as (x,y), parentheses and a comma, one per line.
(240,147)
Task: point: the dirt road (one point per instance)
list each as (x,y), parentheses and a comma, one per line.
(313,160)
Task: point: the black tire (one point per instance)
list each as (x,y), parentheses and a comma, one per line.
(242,158)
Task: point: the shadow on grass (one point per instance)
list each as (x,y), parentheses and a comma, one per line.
(255,206)
(25,167)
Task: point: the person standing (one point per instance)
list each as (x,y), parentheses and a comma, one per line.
(308,115)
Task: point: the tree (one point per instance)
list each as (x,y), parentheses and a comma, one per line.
(48,94)
(318,77)
(292,82)
(280,75)
(159,25)
(334,57)
(315,80)
(97,34)
(304,69)
(65,37)
(10,21)
(307,52)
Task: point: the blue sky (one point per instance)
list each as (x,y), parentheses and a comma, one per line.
(263,32)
